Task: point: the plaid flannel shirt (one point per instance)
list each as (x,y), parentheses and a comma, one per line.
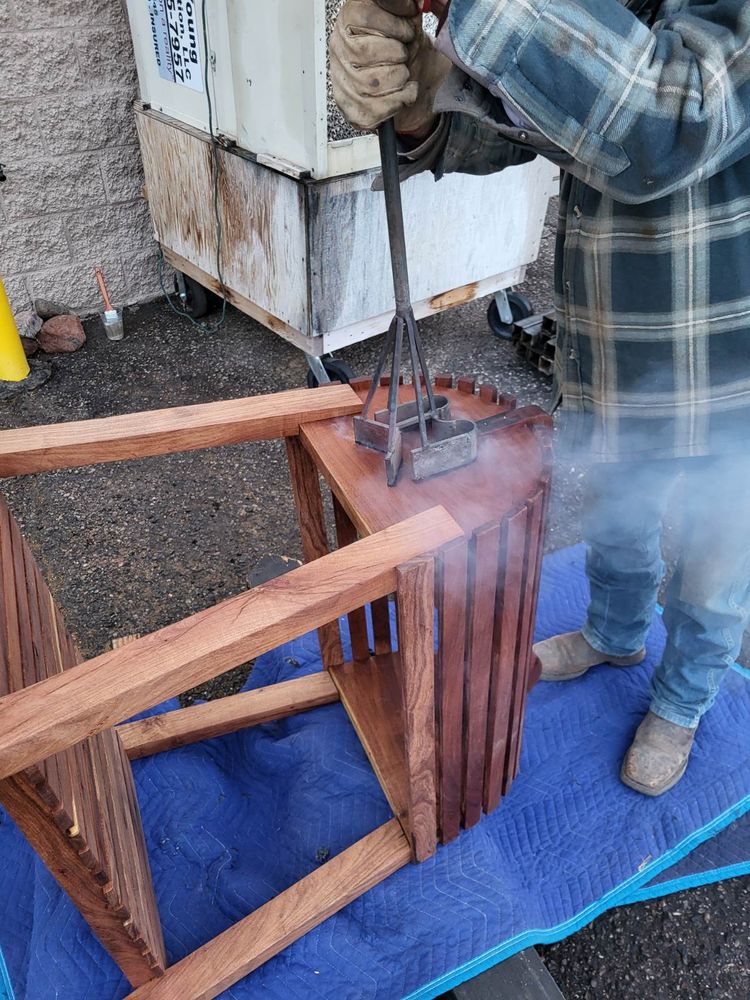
(648,114)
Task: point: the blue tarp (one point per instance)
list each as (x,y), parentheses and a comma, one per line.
(232,822)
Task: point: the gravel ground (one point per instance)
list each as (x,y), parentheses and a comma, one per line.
(130,547)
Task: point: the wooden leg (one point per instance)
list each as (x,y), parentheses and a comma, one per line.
(312,526)
(449,695)
(248,944)
(416,614)
(346,533)
(505,654)
(484,549)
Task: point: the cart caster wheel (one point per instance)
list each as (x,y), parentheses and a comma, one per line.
(337,371)
(198,300)
(520,307)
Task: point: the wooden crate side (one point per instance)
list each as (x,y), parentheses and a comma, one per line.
(77,808)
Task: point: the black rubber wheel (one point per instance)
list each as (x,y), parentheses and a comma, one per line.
(520,307)
(337,370)
(198,301)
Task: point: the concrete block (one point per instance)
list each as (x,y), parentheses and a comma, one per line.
(21,132)
(122,170)
(33,243)
(142,276)
(64,13)
(106,57)
(87,120)
(37,63)
(60,184)
(7,20)
(122,229)
(15,288)
(75,283)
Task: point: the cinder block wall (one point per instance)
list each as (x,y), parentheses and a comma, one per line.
(73,194)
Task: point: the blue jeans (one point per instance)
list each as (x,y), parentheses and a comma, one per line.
(707,602)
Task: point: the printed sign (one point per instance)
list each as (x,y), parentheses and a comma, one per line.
(174,33)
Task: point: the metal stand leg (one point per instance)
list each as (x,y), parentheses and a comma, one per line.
(318,369)
(503,306)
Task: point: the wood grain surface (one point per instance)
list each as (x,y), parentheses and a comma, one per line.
(484,549)
(77,808)
(160,432)
(371,693)
(286,918)
(65,709)
(507,470)
(158,733)
(449,684)
(507,654)
(415,602)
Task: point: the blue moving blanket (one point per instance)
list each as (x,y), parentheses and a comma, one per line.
(232,822)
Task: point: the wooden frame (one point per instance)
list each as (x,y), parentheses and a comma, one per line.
(66,713)
(487,581)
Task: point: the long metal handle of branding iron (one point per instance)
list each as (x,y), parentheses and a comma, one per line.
(404,318)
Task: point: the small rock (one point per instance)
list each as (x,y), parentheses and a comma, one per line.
(28,323)
(61,334)
(30,346)
(48,309)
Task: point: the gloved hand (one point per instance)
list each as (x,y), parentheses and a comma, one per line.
(383,65)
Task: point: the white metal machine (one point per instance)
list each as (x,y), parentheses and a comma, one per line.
(303,236)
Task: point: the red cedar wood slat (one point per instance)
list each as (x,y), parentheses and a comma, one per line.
(484,551)
(531,595)
(225,715)
(380,613)
(5,687)
(115,685)
(152,923)
(115,840)
(312,525)
(416,617)
(505,665)
(449,696)
(346,534)
(57,803)
(525,634)
(122,818)
(287,917)
(160,432)
(58,853)
(13,647)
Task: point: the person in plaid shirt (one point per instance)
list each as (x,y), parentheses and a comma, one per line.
(645,105)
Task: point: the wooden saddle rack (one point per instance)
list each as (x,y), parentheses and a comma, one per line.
(438,706)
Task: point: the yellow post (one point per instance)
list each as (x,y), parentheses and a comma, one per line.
(13,364)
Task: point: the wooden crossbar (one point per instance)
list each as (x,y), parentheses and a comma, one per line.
(160,432)
(286,918)
(63,710)
(163,732)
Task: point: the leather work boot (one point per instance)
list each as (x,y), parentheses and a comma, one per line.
(566,656)
(658,756)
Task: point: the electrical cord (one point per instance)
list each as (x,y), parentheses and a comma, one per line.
(215,173)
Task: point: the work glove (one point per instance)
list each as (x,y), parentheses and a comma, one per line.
(384,66)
